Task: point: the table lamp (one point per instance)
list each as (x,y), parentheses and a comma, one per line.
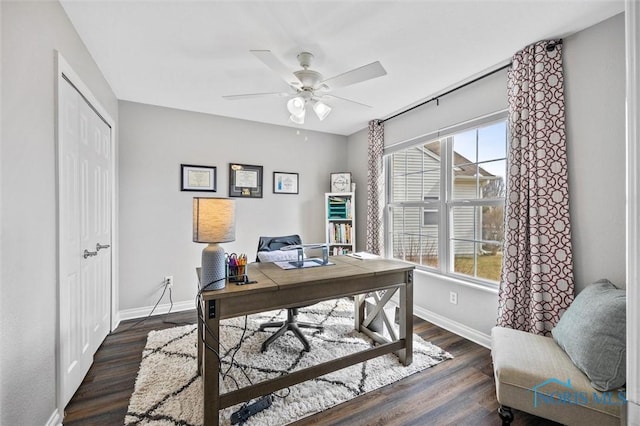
(214,221)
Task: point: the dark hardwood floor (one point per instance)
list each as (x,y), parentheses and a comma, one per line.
(456,392)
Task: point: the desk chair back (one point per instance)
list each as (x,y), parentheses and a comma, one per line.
(276,243)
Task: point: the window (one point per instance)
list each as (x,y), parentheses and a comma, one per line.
(446,201)
(430,216)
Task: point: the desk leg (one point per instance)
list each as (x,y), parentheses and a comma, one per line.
(210,364)
(199,336)
(358,310)
(406,319)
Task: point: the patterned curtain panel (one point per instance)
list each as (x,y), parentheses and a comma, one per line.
(375,189)
(537,271)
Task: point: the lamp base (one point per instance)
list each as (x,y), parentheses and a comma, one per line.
(214,271)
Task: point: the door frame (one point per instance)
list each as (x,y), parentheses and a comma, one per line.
(632,55)
(65,75)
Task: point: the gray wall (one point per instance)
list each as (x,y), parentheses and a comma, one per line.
(594,93)
(31,31)
(155,216)
(594,63)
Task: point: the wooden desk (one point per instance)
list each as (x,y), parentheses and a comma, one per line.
(277,288)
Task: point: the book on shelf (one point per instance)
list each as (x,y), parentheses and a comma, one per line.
(339,251)
(340,233)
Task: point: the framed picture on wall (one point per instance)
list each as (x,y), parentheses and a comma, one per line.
(245,181)
(340,182)
(197,178)
(285,183)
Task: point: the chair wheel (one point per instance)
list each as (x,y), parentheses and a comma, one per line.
(505,414)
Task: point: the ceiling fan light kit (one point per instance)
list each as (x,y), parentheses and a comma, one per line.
(308,85)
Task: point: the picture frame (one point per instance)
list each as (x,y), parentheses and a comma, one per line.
(198,178)
(340,182)
(285,183)
(245,180)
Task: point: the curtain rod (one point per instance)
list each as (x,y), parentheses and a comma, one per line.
(436,98)
(552,45)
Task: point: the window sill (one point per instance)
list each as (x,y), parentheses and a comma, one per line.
(488,287)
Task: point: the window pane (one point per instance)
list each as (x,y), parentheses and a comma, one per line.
(416,174)
(432,184)
(464,147)
(464,257)
(464,168)
(465,221)
(485,264)
(492,142)
(492,179)
(431,165)
(398,176)
(465,183)
(410,240)
(477,241)
(493,223)
(490,262)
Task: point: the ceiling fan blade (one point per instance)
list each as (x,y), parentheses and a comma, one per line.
(345,99)
(357,75)
(270,60)
(256,95)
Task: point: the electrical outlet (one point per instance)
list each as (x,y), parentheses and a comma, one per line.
(453,297)
(168,281)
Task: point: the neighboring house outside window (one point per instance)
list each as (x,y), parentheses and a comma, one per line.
(445,208)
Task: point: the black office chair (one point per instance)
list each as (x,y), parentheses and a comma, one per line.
(291,323)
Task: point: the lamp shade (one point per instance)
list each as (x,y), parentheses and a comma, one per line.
(298,119)
(296,105)
(321,109)
(214,220)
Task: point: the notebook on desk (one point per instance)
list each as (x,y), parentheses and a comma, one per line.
(364,255)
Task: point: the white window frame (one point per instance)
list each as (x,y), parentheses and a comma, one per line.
(446,202)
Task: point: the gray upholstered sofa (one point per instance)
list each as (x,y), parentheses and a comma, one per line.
(574,377)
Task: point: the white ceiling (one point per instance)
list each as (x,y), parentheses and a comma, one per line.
(188,54)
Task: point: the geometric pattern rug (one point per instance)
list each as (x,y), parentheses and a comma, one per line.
(168,390)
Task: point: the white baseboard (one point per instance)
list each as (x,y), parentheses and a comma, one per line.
(135,313)
(453,326)
(54,419)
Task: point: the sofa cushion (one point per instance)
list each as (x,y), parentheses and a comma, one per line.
(593,333)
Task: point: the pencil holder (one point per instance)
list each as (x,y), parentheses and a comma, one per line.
(236,269)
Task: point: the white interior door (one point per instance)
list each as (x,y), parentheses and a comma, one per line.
(84,199)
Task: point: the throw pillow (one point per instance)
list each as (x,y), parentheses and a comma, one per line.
(592,332)
(277,255)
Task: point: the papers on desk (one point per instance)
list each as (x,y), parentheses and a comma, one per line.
(364,255)
(308,263)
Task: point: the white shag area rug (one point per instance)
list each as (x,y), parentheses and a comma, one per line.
(168,390)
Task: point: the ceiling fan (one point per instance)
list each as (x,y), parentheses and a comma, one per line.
(309,87)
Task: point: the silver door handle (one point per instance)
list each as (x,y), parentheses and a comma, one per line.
(88,253)
(100,246)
